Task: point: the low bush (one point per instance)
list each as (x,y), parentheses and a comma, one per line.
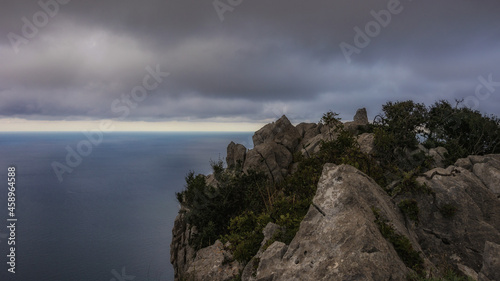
(401,243)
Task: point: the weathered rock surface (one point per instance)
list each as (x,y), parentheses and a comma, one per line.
(458,221)
(438,154)
(338,239)
(270,158)
(236,154)
(181,254)
(312,145)
(361,116)
(213,263)
(366,143)
(249,272)
(491,262)
(360,119)
(458,237)
(281,132)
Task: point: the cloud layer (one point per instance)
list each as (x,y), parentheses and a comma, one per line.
(262,60)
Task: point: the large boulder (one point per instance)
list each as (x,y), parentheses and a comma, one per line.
(338,238)
(361,116)
(236,154)
(271,158)
(281,132)
(461,212)
(360,120)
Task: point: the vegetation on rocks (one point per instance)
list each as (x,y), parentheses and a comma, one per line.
(238,206)
(411,258)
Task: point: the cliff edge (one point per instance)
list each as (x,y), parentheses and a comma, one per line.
(354,229)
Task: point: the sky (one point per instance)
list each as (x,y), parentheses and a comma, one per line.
(234,65)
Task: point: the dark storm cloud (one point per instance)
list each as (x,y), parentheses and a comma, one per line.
(265,58)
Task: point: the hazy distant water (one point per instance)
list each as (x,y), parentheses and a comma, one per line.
(114,211)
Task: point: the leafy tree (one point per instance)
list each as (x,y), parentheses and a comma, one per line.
(462,131)
(397,134)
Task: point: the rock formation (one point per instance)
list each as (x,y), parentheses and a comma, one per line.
(458,221)
(236,154)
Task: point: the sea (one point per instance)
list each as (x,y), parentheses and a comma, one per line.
(109,214)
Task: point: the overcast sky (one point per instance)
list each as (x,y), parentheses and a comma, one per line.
(247,61)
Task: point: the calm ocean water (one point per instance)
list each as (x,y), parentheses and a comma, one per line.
(111,218)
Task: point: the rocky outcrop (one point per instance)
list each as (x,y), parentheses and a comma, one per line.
(361,116)
(213,263)
(360,120)
(458,217)
(271,158)
(181,253)
(338,239)
(281,132)
(236,154)
(273,150)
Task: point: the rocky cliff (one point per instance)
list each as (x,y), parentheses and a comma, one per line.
(354,230)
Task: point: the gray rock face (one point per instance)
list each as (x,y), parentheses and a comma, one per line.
(312,145)
(213,263)
(366,143)
(458,222)
(459,235)
(281,132)
(361,116)
(360,119)
(236,154)
(181,254)
(338,239)
(488,170)
(249,272)
(491,262)
(308,131)
(271,158)
(438,154)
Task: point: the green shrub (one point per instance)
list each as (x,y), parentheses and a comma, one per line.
(409,207)
(245,235)
(401,243)
(408,185)
(462,131)
(243,203)
(211,208)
